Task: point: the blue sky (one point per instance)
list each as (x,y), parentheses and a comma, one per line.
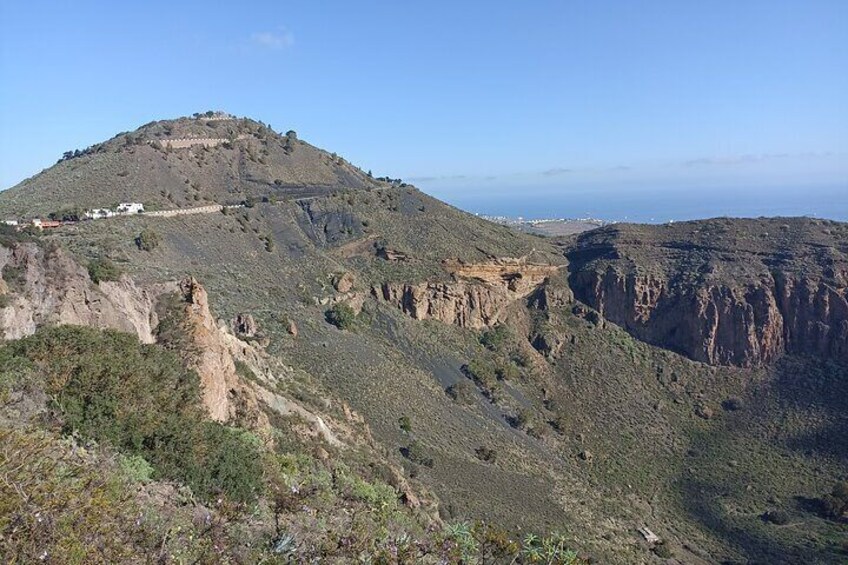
(473,101)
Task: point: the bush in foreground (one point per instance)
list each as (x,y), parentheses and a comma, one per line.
(141,400)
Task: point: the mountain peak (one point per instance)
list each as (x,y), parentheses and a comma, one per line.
(210,157)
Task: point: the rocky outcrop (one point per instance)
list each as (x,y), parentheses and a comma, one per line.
(477,297)
(49,287)
(466,305)
(245,325)
(719,325)
(815,314)
(206,351)
(716,300)
(344,282)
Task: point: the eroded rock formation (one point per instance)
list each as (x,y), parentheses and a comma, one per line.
(476,297)
(722,292)
(245,325)
(713,324)
(48,287)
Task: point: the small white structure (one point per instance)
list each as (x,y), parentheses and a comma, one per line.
(99,213)
(649,536)
(10,222)
(130,208)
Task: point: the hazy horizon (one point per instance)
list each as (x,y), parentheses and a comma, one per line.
(825,202)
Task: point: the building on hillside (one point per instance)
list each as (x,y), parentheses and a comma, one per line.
(10,222)
(44,224)
(130,208)
(98,213)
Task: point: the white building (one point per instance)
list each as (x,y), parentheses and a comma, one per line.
(99,213)
(10,222)
(130,208)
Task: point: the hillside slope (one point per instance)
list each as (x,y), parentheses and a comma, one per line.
(523,380)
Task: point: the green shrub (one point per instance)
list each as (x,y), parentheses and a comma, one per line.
(214,459)
(405,424)
(522,358)
(67,215)
(777,517)
(663,550)
(377,495)
(835,504)
(733,403)
(495,338)
(485,374)
(527,422)
(147,240)
(462,392)
(141,400)
(486,454)
(103,270)
(559,424)
(505,370)
(415,452)
(342,316)
(136,468)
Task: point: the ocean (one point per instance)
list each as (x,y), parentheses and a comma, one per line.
(651,206)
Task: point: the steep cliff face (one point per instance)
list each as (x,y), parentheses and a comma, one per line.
(719,303)
(713,324)
(476,297)
(212,351)
(815,314)
(45,286)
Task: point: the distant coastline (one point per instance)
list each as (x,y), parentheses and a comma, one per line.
(551,227)
(653,205)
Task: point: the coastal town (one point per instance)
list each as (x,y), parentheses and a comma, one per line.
(548,226)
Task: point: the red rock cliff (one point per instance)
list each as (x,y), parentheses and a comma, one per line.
(719,302)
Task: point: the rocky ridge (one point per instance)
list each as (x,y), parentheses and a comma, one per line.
(718,305)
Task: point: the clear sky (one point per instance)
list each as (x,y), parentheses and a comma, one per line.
(472,101)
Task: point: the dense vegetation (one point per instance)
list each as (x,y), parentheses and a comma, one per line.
(103,269)
(342,316)
(138,398)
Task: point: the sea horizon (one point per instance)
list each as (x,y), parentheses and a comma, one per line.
(656,206)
